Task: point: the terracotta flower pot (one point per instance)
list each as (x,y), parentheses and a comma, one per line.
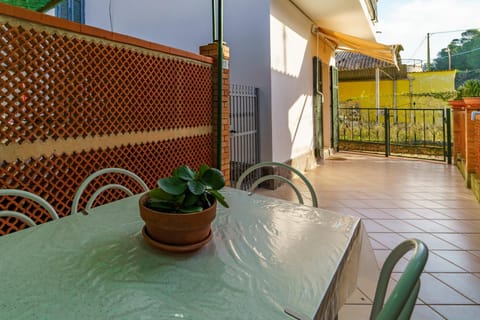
(177,231)
(473,102)
(456,104)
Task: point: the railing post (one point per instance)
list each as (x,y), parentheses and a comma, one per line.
(386,114)
(449,135)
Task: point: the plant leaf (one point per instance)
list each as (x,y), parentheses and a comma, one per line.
(159,194)
(184,173)
(160,205)
(190,200)
(201,171)
(172,185)
(213,178)
(220,198)
(191,209)
(196,187)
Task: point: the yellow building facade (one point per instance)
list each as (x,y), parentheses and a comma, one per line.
(420,90)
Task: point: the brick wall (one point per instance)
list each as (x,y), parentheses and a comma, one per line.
(78,99)
(211,50)
(477,144)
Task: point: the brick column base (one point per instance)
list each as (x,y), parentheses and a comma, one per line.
(211,50)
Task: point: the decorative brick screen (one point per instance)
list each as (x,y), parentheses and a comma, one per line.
(72,104)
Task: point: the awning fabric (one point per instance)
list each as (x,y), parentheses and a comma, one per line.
(342,41)
(36,5)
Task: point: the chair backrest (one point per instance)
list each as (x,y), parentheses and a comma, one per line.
(401,301)
(28,195)
(290,169)
(98,173)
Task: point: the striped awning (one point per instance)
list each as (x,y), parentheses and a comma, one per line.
(36,5)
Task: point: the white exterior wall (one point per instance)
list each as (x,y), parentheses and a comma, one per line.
(187,24)
(292,82)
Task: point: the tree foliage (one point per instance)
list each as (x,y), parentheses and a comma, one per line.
(465,53)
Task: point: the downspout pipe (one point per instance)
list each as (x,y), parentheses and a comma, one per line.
(220,83)
(214,26)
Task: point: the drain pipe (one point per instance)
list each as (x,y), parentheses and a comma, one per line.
(220,83)
(214,26)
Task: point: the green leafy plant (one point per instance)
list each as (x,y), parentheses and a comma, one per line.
(470,88)
(187,191)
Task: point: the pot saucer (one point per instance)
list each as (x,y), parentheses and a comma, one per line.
(175,248)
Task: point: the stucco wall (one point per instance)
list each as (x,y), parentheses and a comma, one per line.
(292,82)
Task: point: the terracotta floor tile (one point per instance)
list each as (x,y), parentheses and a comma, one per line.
(461,240)
(377,245)
(380,204)
(464,259)
(429,225)
(398,226)
(381,256)
(466,283)
(459,213)
(430,198)
(423,312)
(429,204)
(390,240)
(433,291)
(431,241)
(354,312)
(401,214)
(475,252)
(458,312)
(373,226)
(459,203)
(358,297)
(462,226)
(436,263)
(429,213)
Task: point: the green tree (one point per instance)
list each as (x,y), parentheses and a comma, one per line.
(464,52)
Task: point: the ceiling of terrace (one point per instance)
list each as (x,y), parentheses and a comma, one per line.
(347,16)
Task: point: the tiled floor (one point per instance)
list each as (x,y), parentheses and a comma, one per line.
(404,198)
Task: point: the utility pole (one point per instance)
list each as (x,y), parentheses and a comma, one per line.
(428,44)
(428,51)
(449,59)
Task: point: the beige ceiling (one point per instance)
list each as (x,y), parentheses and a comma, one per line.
(346,16)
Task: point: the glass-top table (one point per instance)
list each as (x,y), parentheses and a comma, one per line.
(267,256)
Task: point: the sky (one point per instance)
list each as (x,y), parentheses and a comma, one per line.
(407,22)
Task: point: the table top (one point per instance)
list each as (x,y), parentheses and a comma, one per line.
(266,255)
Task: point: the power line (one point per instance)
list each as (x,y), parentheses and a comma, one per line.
(460,53)
(419,46)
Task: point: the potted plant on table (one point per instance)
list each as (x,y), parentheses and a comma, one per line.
(178,213)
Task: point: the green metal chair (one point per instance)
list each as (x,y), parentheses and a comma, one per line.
(28,195)
(258,181)
(401,301)
(90,178)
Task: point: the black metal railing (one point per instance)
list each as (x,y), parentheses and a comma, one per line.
(423,133)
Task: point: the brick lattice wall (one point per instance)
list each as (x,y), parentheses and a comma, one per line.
(76,99)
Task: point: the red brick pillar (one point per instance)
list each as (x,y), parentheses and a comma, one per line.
(458,115)
(211,50)
(477,142)
(472,104)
